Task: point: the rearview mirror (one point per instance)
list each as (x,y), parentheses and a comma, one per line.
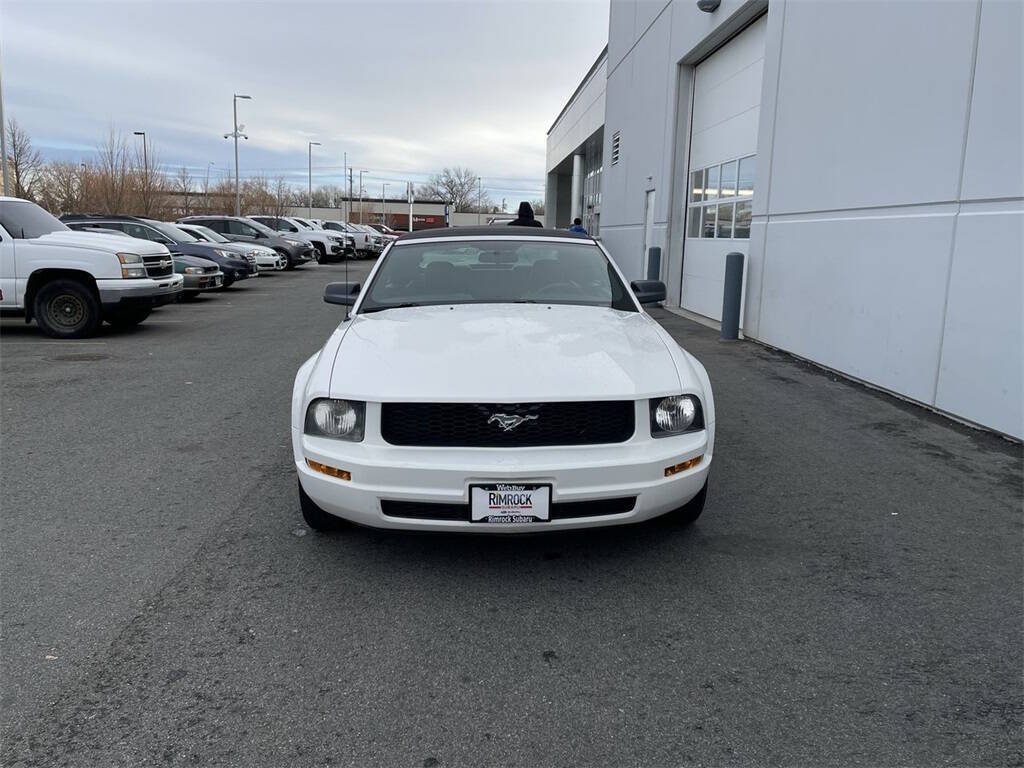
(341,293)
(648,291)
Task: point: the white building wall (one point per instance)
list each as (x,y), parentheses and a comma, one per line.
(888,215)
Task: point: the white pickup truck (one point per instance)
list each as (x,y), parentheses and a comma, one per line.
(69,282)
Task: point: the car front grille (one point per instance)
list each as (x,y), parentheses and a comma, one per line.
(560,510)
(210,270)
(158,266)
(496,425)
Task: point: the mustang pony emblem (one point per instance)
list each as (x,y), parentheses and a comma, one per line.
(508,422)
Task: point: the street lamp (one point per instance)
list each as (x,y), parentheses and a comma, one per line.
(235,134)
(383,205)
(360,195)
(310,200)
(145,154)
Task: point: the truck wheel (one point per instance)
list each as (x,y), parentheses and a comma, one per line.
(66,309)
(690,511)
(128,318)
(315,517)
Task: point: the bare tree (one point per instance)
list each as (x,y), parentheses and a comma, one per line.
(183,188)
(148,181)
(113,173)
(457,186)
(538,207)
(59,189)
(23,160)
(282,197)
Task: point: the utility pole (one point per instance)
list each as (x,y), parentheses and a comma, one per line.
(479,198)
(145,172)
(360,196)
(349,196)
(3,142)
(383,205)
(235,134)
(410,183)
(310,198)
(346,206)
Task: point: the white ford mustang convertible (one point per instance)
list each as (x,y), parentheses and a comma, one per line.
(500,381)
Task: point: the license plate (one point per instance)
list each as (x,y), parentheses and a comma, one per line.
(510,503)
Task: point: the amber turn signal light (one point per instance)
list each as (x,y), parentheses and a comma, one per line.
(341,474)
(682,467)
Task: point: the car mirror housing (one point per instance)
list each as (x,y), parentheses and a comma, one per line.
(341,293)
(648,291)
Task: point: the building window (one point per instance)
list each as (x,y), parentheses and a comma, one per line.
(720,200)
(616,137)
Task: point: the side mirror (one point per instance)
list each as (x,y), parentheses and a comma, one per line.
(341,293)
(648,291)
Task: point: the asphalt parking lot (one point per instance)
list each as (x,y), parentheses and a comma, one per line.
(851,596)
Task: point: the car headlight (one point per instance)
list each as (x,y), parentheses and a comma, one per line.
(134,271)
(340,419)
(676,414)
(129,258)
(297,243)
(225,254)
(193,270)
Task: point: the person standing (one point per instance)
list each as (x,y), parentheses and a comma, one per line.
(577,226)
(525,217)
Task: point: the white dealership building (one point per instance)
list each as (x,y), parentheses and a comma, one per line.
(865,157)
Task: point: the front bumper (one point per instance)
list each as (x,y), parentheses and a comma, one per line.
(443,476)
(205,282)
(302,255)
(141,292)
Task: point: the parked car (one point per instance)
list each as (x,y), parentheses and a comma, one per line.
(69,282)
(234,266)
(362,240)
(199,274)
(267,259)
(380,240)
(384,229)
(239,229)
(500,383)
(330,246)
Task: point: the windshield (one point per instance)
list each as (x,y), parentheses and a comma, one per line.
(25,220)
(263,228)
(495,272)
(176,234)
(302,223)
(209,234)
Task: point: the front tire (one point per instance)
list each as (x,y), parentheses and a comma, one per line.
(316,518)
(321,253)
(66,309)
(690,511)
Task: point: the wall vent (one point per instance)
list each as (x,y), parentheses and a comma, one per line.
(615,147)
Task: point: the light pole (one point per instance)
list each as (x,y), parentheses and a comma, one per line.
(235,134)
(383,205)
(479,198)
(3,143)
(360,195)
(206,187)
(310,200)
(145,172)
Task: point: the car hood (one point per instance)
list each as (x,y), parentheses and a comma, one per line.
(194,261)
(99,241)
(503,353)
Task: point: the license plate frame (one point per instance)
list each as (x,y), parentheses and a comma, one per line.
(538,511)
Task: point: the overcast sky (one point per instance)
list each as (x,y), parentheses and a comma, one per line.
(404,87)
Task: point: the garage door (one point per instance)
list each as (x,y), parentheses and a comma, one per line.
(723,165)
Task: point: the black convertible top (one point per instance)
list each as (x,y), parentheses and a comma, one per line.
(497,230)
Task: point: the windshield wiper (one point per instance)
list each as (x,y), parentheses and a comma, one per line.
(524,301)
(389,306)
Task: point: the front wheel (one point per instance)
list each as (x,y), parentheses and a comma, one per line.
(66,309)
(690,511)
(128,318)
(316,518)
(321,253)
